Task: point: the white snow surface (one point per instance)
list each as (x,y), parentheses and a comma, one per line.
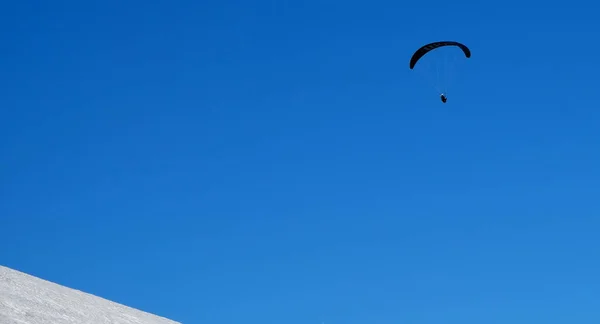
(25,299)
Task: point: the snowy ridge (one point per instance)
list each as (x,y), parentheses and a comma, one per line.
(25,299)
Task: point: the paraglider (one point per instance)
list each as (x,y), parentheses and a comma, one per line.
(425,49)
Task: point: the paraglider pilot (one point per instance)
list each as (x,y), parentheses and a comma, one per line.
(443,97)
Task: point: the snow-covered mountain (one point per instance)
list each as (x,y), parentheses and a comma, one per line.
(25,299)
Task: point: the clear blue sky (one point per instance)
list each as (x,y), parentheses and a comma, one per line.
(277,162)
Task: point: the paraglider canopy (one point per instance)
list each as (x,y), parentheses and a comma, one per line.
(431,46)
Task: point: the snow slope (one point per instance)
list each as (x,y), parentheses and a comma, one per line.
(25,299)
